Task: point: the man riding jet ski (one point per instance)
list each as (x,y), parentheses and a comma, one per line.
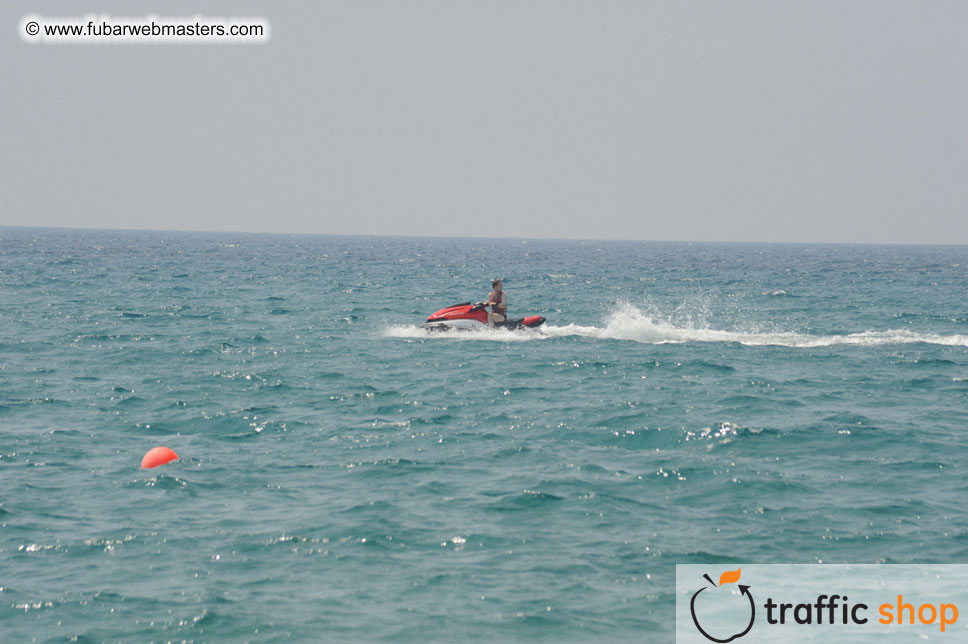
(467,316)
(498,301)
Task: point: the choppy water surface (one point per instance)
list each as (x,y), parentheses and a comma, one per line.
(348,476)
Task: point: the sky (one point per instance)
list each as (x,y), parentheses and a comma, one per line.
(793,121)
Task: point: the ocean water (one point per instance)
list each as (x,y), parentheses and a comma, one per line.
(346,476)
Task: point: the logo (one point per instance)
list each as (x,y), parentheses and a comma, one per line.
(821,603)
(728,577)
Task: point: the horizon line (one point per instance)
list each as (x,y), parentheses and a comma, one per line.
(491,237)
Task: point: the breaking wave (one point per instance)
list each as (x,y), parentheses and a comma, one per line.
(496,335)
(627,322)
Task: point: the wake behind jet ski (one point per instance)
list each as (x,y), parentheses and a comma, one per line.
(468,317)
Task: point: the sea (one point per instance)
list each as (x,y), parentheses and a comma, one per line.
(346,476)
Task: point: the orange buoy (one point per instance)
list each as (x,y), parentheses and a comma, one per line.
(158,456)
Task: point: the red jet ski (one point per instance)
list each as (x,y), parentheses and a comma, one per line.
(467,317)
